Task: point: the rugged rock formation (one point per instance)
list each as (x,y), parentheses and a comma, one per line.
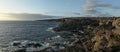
(97,34)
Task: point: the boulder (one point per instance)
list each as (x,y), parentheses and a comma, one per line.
(116,23)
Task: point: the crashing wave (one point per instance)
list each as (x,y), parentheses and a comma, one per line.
(50,29)
(54,43)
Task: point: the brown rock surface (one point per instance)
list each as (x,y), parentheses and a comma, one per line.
(96,34)
(102,38)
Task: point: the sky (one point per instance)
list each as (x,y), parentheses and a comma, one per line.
(24,9)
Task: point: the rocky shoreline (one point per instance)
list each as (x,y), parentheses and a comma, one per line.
(93,34)
(84,35)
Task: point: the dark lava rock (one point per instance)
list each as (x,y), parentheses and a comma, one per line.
(75,24)
(16,44)
(33,45)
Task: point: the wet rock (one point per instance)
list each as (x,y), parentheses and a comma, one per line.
(16,43)
(75,24)
(14,49)
(33,45)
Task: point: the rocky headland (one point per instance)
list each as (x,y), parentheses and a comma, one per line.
(93,34)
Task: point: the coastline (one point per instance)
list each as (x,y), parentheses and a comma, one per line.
(83,35)
(95,34)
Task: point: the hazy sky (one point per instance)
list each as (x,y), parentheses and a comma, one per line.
(58,8)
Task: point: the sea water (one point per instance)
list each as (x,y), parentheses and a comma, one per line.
(24,33)
(24,30)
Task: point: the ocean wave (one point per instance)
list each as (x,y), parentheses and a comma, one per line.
(50,29)
(54,43)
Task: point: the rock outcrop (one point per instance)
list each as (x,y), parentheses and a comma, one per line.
(96,34)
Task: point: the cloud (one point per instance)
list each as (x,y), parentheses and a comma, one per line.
(116,7)
(106,6)
(91,8)
(28,16)
(65,13)
(76,13)
(33,16)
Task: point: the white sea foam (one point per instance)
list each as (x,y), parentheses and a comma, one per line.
(54,43)
(50,29)
(11,49)
(32,49)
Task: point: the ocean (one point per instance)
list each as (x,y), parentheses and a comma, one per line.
(29,35)
(25,30)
